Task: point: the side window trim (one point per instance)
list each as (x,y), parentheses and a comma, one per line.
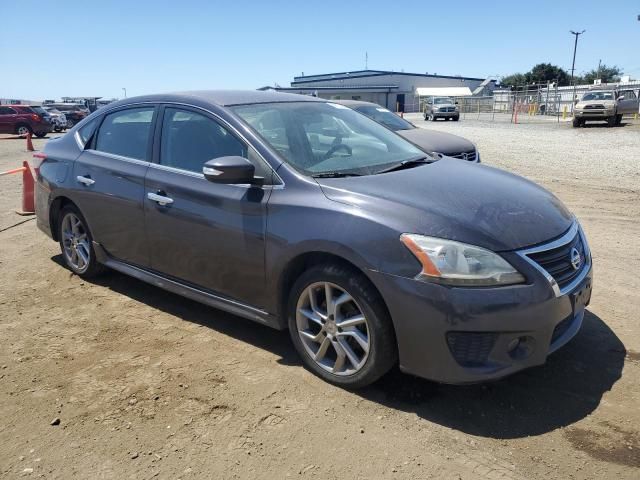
(91,145)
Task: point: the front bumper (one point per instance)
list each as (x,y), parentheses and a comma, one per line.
(594,114)
(445,114)
(467,335)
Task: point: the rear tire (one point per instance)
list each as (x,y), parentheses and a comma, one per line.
(76,243)
(348,341)
(23,130)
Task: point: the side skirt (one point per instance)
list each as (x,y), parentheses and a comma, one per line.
(201,296)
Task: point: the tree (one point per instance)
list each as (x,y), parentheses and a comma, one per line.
(606,74)
(545,72)
(540,73)
(513,80)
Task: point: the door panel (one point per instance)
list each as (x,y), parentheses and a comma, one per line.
(110,178)
(113,205)
(210,235)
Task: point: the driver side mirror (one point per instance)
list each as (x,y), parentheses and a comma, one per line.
(621,97)
(231,170)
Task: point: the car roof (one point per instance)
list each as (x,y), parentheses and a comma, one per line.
(356,103)
(223,98)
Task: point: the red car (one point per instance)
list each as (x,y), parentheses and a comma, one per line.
(22,119)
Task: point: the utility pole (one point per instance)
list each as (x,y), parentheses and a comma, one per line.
(366,60)
(573,64)
(125,92)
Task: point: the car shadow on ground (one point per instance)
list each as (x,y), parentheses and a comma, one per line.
(563,391)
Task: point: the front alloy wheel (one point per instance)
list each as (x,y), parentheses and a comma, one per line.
(333,328)
(340,326)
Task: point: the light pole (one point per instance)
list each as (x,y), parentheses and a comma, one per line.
(125,90)
(573,64)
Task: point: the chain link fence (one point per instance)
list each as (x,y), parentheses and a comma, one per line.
(526,104)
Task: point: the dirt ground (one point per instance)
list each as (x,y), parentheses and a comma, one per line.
(147,384)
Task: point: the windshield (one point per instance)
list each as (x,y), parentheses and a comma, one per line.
(52,110)
(327,138)
(40,110)
(598,96)
(385,117)
(442,101)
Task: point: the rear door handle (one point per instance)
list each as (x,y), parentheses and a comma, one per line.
(87,180)
(160,199)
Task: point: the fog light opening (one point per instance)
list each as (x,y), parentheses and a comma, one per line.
(520,347)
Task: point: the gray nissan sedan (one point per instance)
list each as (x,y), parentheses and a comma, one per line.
(301,214)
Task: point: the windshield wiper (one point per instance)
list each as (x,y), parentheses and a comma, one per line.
(336,175)
(412,162)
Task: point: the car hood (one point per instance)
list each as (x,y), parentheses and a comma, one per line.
(459,201)
(439,142)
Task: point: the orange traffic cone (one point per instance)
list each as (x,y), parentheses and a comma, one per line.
(29,143)
(28,189)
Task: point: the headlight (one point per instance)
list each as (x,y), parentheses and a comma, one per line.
(455,263)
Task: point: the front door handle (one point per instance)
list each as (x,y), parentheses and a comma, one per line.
(160,199)
(87,180)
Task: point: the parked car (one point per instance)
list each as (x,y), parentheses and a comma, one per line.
(22,120)
(430,141)
(441,107)
(74,113)
(609,105)
(368,250)
(59,120)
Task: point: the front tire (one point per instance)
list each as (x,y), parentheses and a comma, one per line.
(611,121)
(577,123)
(76,243)
(70,123)
(340,326)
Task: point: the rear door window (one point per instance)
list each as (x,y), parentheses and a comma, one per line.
(7,111)
(126,133)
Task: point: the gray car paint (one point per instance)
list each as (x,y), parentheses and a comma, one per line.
(233,246)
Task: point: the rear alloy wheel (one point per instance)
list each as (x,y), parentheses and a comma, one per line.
(76,244)
(23,130)
(340,327)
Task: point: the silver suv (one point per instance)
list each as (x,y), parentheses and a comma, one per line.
(609,105)
(441,107)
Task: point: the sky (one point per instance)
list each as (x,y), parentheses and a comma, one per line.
(50,49)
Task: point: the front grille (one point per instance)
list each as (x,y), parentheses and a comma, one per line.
(557,261)
(561,328)
(470,155)
(592,107)
(471,349)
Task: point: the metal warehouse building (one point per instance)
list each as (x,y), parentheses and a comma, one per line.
(394,90)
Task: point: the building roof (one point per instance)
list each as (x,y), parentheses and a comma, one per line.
(369,73)
(443,91)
